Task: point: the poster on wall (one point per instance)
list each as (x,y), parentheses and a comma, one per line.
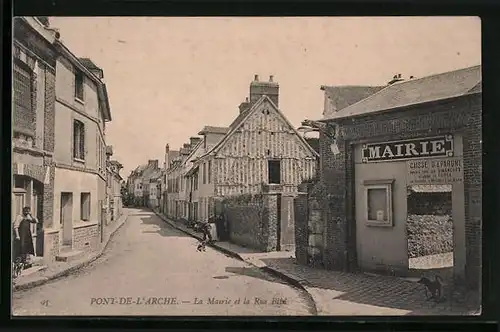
(435,171)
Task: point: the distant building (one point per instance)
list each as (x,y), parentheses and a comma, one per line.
(114,184)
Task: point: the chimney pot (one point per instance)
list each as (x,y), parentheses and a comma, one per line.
(256,78)
(246,100)
(271,78)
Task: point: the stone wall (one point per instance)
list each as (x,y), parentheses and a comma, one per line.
(51,246)
(246,216)
(86,238)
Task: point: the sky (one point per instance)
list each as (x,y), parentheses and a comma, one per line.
(167,77)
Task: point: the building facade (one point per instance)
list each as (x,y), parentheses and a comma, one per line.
(260,147)
(68,100)
(81,112)
(33,116)
(428,139)
(114,184)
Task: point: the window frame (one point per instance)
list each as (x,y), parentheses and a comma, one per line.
(88,196)
(79,150)
(79,84)
(269,162)
(386,184)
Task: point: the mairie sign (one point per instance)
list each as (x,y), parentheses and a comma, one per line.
(429,147)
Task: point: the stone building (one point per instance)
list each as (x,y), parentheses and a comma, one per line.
(412,135)
(58,96)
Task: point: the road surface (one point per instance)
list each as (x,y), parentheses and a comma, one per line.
(149,268)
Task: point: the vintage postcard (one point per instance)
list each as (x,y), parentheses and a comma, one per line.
(246,166)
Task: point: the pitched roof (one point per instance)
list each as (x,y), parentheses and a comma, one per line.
(213,130)
(241,118)
(416,91)
(343,96)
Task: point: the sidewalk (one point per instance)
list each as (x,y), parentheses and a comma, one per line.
(60,269)
(340,293)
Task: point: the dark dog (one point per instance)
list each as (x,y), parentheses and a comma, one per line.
(435,288)
(202,246)
(17,267)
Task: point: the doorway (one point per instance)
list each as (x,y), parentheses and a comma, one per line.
(430,229)
(66,218)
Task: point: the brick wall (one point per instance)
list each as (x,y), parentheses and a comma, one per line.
(50,112)
(460,115)
(86,238)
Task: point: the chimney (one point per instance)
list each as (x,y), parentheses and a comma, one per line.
(396,78)
(244,106)
(153,163)
(166,162)
(193,141)
(259,89)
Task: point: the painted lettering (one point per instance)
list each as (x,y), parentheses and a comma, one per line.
(388,152)
(410,149)
(374,152)
(399,148)
(424,145)
(437,147)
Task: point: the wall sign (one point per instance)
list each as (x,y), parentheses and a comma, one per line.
(435,171)
(440,146)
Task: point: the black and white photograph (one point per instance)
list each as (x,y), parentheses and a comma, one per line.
(246,166)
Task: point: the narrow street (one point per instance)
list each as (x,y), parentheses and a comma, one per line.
(150,268)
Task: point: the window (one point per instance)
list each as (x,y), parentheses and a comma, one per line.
(274,169)
(204,173)
(79,85)
(24,115)
(209,171)
(78,140)
(85,206)
(378,198)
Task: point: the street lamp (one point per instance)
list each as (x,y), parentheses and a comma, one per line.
(324,128)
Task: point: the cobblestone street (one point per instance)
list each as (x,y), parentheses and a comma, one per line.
(157,271)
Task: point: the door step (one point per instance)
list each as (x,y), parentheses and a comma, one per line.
(69,256)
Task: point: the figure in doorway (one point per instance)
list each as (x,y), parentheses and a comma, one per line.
(23,240)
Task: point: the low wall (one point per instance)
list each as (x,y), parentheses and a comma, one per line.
(246,216)
(245,226)
(86,237)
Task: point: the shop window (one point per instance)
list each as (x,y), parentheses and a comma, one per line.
(378,200)
(85,206)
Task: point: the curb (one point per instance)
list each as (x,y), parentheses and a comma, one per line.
(70,269)
(299,283)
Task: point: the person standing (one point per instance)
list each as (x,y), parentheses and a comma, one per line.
(23,239)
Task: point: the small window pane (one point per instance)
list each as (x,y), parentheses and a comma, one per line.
(377,204)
